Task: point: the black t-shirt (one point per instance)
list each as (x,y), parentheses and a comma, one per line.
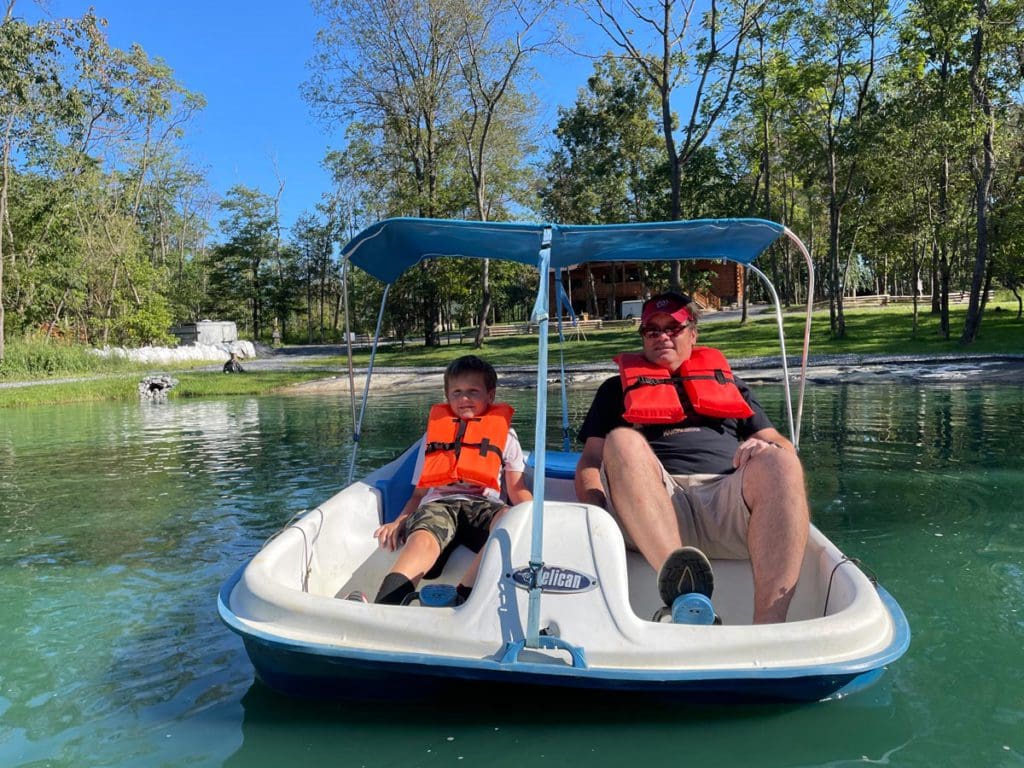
(698,445)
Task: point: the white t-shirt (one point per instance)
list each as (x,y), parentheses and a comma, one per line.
(512,460)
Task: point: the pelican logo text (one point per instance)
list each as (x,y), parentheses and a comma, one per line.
(556,580)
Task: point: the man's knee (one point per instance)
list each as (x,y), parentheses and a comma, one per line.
(623,445)
(772,467)
(771,474)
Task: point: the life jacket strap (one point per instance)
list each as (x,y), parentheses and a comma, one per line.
(718,375)
(485,446)
(642,381)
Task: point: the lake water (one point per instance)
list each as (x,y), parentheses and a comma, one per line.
(119,522)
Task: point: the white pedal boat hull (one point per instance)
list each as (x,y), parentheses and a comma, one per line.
(303,640)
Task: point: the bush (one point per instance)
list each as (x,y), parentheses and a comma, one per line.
(42,358)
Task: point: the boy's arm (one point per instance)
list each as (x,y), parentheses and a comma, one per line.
(389,535)
(515,486)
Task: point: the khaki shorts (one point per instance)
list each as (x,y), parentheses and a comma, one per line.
(455,521)
(710,510)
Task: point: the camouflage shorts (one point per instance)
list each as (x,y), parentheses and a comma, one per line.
(455,521)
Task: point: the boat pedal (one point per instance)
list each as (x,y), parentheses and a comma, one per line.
(437,596)
(692,608)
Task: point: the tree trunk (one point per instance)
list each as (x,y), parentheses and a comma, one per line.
(915,272)
(591,292)
(984,179)
(5,224)
(836,315)
(309,300)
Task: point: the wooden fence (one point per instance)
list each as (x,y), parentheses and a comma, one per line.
(885,299)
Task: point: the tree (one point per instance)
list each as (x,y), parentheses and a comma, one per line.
(239,276)
(491,63)
(831,87)
(393,63)
(33,106)
(996,70)
(717,40)
(608,166)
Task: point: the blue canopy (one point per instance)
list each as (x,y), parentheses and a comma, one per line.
(390,247)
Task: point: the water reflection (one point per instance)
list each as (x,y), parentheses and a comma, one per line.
(589,728)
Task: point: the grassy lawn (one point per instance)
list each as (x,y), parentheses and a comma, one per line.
(125,387)
(868,332)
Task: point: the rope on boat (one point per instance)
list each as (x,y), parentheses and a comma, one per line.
(307,543)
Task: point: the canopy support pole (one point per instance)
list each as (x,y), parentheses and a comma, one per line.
(358,428)
(348,339)
(793,435)
(540,317)
(561,298)
(807,321)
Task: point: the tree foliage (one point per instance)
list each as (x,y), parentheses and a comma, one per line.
(889,136)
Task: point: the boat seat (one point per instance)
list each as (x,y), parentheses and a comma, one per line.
(560,465)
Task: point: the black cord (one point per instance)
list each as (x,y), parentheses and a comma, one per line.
(864,569)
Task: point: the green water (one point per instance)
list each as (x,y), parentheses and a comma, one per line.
(118,523)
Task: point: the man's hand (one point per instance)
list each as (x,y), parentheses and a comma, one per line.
(751,447)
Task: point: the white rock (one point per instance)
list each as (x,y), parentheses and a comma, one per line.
(192,352)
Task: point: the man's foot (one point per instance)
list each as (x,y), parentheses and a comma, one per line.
(356,596)
(684,571)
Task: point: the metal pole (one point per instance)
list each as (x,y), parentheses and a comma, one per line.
(357,431)
(540,317)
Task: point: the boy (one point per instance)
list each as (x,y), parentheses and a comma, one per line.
(468,447)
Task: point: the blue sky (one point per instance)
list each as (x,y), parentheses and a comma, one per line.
(248,59)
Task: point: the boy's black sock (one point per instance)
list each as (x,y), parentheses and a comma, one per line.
(394,589)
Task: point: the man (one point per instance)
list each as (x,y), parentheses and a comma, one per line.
(686,456)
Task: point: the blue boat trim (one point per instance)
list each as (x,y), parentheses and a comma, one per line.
(577,654)
(848,669)
(560,465)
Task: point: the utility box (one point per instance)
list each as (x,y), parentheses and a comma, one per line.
(631,309)
(210,332)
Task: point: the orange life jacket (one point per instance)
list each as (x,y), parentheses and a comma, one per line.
(652,398)
(467,450)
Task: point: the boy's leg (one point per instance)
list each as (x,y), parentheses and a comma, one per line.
(431,528)
(418,553)
(480,521)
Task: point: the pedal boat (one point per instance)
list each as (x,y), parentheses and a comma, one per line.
(559,603)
